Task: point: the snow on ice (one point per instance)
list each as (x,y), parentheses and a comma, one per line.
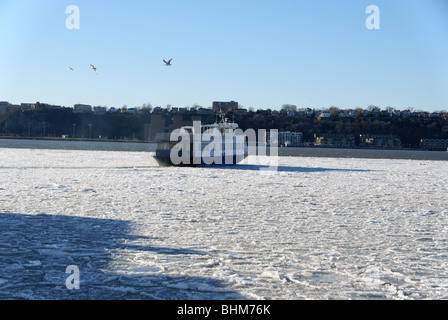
(317,228)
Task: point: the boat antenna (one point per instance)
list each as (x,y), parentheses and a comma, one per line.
(221,115)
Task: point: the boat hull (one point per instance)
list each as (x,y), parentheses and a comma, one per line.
(226,157)
(163,157)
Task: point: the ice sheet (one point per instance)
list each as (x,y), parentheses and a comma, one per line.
(317,228)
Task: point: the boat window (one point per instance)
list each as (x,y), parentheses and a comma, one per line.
(164,145)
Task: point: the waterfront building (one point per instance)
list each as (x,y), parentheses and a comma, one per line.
(82,108)
(379,141)
(334,140)
(224,107)
(434,144)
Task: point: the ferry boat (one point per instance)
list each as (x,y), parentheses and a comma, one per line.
(211,144)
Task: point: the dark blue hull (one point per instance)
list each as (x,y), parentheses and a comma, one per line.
(163,157)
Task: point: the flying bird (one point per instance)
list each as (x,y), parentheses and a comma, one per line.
(93,68)
(168,63)
(70,68)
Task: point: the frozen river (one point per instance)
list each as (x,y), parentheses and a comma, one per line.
(317,228)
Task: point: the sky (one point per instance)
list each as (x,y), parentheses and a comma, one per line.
(260,53)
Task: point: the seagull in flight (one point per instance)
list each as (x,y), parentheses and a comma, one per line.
(168,63)
(93,68)
(70,68)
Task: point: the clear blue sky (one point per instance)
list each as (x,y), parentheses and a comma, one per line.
(261,53)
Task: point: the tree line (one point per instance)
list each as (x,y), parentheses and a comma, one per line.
(124,125)
(409,130)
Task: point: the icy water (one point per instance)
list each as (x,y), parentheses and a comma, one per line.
(316,228)
(294,152)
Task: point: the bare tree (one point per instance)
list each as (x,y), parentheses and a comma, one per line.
(334,111)
(289,107)
(146,108)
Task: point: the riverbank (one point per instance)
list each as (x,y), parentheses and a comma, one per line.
(141,146)
(73,139)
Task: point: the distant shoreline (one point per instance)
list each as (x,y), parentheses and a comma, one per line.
(296,151)
(145,142)
(74,139)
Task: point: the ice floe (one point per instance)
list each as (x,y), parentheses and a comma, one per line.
(316,228)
